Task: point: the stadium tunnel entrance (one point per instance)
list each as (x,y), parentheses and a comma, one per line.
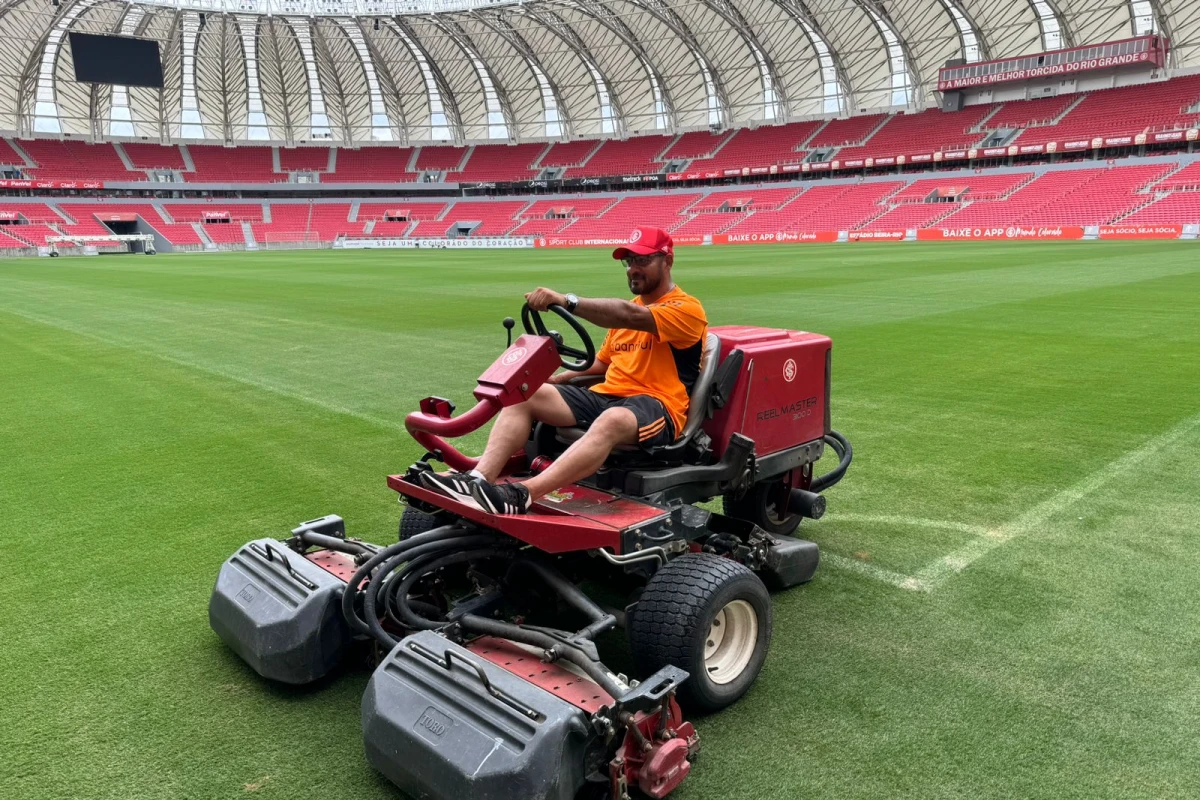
(128,224)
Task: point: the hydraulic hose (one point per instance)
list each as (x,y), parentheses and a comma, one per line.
(314,539)
(503,630)
(435,535)
(841,446)
(406,613)
(421,561)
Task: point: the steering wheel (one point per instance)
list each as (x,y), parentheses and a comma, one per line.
(581,359)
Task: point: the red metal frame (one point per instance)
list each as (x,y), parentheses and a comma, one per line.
(580,692)
(573,518)
(656,759)
(512,378)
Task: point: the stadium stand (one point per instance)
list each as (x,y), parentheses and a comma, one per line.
(568,154)
(306,222)
(846,132)
(10,156)
(247,164)
(289,223)
(495,218)
(328,221)
(1067,197)
(33,234)
(153,156)
(911,215)
(703,224)
(181,234)
(440,158)
(630,157)
(219,229)
(1186,179)
(571,207)
(759,198)
(1175,208)
(305,159)
(973,187)
(29,222)
(761,147)
(371,164)
(695,144)
(663,211)
(28,211)
(922,133)
(1028,113)
(830,207)
(1160,106)
(11,242)
(76,161)
(500,162)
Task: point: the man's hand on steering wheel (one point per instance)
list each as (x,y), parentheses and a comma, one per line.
(540,299)
(573,358)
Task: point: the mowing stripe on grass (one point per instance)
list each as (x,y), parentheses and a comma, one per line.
(948,566)
(246,380)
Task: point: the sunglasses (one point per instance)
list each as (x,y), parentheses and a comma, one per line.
(641,261)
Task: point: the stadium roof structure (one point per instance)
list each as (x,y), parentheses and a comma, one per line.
(463,71)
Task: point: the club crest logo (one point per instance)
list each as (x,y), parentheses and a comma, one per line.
(633,237)
(513,356)
(789,370)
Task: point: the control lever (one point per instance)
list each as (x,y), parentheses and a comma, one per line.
(509,323)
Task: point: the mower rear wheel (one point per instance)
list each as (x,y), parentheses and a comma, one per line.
(413,522)
(764,504)
(710,616)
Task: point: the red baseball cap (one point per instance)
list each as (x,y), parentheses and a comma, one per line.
(645,241)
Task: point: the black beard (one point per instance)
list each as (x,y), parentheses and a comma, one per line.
(647,288)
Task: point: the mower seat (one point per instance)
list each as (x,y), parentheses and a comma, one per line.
(697,407)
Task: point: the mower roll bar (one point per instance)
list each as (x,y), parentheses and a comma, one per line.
(429,428)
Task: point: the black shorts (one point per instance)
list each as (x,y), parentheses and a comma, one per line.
(655,428)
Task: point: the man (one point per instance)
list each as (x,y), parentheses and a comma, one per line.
(649,360)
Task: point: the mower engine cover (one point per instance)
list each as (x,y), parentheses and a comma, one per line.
(781,397)
(440,722)
(281,613)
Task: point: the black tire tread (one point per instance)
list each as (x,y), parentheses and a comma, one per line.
(413,521)
(662,630)
(673,598)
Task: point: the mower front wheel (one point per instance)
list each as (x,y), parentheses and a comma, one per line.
(413,522)
(710,616)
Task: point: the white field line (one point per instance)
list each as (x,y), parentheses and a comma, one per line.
(897,579)
(914,522)
(1036,517)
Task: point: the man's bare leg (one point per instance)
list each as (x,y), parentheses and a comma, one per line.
(613,427)
(511,430)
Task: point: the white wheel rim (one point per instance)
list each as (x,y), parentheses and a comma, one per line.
(730,643)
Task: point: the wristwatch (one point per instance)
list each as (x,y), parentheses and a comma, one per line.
(572,302)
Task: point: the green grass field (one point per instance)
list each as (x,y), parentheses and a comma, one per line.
(1006,608)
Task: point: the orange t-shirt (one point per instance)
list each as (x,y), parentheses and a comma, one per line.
(663,366)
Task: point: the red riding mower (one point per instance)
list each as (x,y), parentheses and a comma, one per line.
(489,683)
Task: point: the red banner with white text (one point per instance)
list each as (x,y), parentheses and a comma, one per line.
(1008,233)
(1140,231)
(877,236)
(780,237)
(33,183)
